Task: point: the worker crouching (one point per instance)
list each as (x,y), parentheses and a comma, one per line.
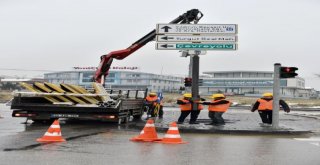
(265,106)
(186,108)
(217,107)
(152,101)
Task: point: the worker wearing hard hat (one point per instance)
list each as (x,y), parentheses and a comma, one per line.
(151,101)
(186,108)
(217,107)
(264,106)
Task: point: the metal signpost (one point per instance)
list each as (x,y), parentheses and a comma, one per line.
(194,40)
(276,96)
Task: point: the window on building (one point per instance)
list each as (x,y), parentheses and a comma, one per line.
(87,77)
(268,75)
(245,75)
(236,74)
(253,74)
(261,75)
(133,75)
(112,75)
(110,80)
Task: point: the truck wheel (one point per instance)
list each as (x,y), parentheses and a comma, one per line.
(137,117)
(124,120)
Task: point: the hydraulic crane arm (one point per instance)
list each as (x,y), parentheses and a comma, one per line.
(193,15)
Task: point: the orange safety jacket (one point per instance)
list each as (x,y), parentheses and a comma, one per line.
(219,107)
(188,105)
(151,99)
(265,105)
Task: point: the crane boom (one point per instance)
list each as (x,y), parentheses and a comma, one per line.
(193,15)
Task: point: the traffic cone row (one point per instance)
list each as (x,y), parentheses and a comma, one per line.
(149,134)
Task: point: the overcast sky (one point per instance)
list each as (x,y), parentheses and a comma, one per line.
(59,34)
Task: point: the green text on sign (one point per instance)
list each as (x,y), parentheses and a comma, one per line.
(207,46)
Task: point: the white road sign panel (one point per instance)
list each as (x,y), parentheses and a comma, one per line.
(196,46)
(195,38)
(196,29)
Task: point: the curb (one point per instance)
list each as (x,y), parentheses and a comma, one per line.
(215,130)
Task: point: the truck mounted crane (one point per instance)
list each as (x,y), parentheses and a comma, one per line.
(193,15)
(45,102)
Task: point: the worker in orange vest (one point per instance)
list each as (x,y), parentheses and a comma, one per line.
(186,108)
(264,106)
(151,101)
(217,107)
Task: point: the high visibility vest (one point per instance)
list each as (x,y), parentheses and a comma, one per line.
(188,106)
(265,105)
(219,107)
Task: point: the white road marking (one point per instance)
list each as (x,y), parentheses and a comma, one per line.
(313,141)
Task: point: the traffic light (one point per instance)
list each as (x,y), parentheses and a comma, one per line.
(187,82)
(288,72)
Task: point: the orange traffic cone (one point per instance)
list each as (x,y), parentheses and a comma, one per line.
(53,134)
(148,134)
(172,136)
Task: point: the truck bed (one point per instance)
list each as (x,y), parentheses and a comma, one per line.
(40,109)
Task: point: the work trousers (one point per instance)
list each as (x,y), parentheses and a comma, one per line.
(216,117)
(151,111)
(161,111)
(266,116)
(193,117)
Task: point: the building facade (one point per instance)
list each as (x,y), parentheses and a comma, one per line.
(251,83)
(119,79)
(247,83)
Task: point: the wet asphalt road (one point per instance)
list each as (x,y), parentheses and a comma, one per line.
(106,143)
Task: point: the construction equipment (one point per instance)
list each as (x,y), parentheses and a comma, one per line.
(47,101)
(193,15)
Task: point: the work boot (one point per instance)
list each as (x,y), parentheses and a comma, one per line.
(219,124)
(265,124)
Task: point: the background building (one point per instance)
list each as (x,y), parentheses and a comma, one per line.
(119,79)
(247,83)
(252,83)
(13,83)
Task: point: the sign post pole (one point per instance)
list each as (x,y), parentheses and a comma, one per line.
(276,96)
(195,80)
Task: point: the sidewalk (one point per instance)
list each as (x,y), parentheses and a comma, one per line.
(238,121)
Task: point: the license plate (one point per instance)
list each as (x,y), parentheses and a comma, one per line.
(64,115)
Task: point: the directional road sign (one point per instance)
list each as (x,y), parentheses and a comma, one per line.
(196,46)
(195,38)
(196,29)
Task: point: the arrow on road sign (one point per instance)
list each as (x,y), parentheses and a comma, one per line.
(167,46)
(167,38)
(166,28)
